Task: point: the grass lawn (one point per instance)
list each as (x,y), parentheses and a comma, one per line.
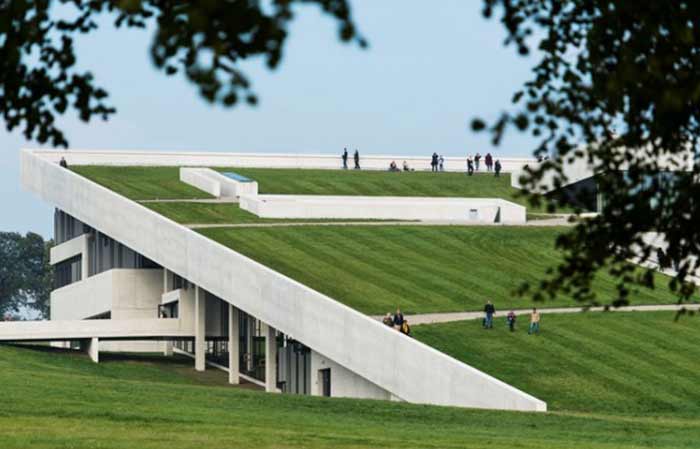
(55,401)
(223,213)
(638,363)
(422,269)
(141,183)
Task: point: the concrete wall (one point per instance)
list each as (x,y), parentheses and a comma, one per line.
(401,365)
(344,383)
(262,160)
(481,210)
(196,177)
(84,299)
(83,329)
(68,249)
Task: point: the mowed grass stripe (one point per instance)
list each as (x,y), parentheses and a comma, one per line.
(422,269)
(587,362)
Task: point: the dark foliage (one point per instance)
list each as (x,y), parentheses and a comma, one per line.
(616,87)
(26,277)
(205,40)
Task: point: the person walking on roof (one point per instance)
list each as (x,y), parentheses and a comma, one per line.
(470,165)
(357,160)
(489,310)
(441,163)
(497,168)
(345,158)
(534,322)
(434,162)
(477,159)
(488,160)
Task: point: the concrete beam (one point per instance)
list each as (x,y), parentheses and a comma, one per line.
(200,315)
(270,360)
(233,346)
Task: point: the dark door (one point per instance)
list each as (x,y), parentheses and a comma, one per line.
(325,382)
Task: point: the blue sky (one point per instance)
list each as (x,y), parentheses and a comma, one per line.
(427,72)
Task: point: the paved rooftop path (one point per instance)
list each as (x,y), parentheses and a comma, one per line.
(230,200)
(433,318)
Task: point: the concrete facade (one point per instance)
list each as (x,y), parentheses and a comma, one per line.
(261,160)
(405,368)
(477,210)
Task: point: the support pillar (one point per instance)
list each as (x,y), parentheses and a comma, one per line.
(200,315)
(85,258)
(167,348)
(233,347)
(92,347)
(270,360)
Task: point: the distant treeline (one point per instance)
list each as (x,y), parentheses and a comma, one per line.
(26,277)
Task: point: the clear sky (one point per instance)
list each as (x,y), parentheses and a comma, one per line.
(430,68)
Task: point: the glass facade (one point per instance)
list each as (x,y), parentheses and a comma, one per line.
(67,272)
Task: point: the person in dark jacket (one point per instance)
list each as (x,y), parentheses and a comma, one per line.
(434,162)
(345,158)
(63,162)
(398,319)
(477,159)
(488,160)
(489,309)
(511,320)
(357,160)
(470,166)
(497,168)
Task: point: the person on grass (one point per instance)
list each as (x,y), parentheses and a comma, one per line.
(511,320)
(345,158)
(489,310)
(534,322)
(398,319)
(388,320)
(470,166)
(497,168)
(405,328)
(357,160)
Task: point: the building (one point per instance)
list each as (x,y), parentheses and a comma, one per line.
(130,279)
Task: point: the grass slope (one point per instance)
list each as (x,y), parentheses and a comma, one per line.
(222,213)
(57,402)
(619,363)
(421,269)
(141,183)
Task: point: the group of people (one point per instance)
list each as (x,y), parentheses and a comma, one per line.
(397,321)
(474,164)
(437,163)
(356,157)
(490,311)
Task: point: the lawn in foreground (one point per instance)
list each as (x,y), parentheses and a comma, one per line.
(421,269)
(640,363)
(59,401)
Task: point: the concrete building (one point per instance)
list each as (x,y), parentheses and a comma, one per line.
(129,279)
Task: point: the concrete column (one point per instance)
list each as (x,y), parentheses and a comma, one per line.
(200,315)
(233,348)
(249,343)
(270,360)
(167,348)
(85,258)
(92,347)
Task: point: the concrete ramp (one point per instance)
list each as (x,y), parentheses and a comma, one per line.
(139,329)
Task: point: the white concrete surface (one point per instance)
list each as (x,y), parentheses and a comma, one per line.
(344,383)
(233,346)
(66,250)
(199,329)
(403,366)
(270,360)
(471,210)
(93,349)
(198,178)
(261,160)
(232,188)
(88,329)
